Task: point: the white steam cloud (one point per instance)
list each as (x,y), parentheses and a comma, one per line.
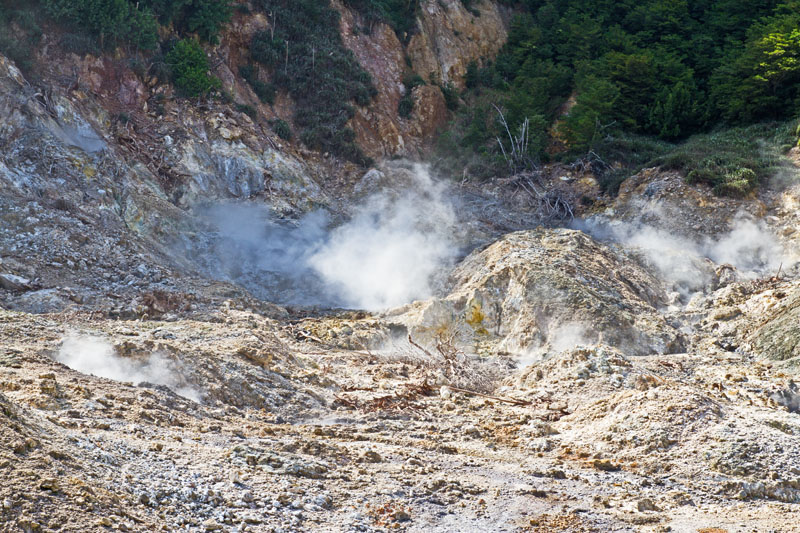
(566,336)
(389,253)
(683,263)
(392,250)
(93,355)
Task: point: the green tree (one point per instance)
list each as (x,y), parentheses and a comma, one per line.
(189,66)
(675,112)
(760,79)
(592,115)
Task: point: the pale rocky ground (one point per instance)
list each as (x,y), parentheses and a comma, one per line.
(558,380)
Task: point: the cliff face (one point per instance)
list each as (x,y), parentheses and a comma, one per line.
(449,37)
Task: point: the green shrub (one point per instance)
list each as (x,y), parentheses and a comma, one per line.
(248,110)
(451,96)
(406,106)
(412,80)
(281,129)
(19,35)
(189,66)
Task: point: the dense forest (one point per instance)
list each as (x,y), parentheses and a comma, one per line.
(620,80)
(663,69)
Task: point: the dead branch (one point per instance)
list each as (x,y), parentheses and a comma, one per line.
(512,401)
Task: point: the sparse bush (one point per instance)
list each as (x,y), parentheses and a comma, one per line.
(204,17)
(281,129)
(451,97)
(406,106)
(401,15)
(733,161)
(19,34)
(265,91)
(248,110)
(305,55)
(189,66)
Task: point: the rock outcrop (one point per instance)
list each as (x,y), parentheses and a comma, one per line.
(533,290)
(449,37)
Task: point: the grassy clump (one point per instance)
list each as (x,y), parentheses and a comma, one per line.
(306,57)
(281,129)
(406,104)
(734,160)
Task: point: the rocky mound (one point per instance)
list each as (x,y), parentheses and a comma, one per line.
(548,289)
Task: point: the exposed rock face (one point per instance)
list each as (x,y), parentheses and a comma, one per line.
(666,200)
(450,37)
(535,289)
(772,318)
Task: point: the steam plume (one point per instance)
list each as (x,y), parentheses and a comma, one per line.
(93,355)
(389,253)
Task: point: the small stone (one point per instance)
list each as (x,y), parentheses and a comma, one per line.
(402,516)
(11,282)
(211,525)
(324,501)
(49,484)
(605,465)
(445,393)
(472,431)
(646,504)
(371,456)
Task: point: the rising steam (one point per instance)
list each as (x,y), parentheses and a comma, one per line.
(93,355)
(389,253)
(683,263)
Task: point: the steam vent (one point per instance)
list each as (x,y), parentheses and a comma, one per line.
(426,266)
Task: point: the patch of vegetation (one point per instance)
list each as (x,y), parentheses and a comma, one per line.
(401,15)
(266,92)
(451,96)
(203,17)
(406,104)
(306,57)
(640,68)
(732,160)
(19,34)
(248,110)
(113,22)
(135,23)
(189,66)
(281,129)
